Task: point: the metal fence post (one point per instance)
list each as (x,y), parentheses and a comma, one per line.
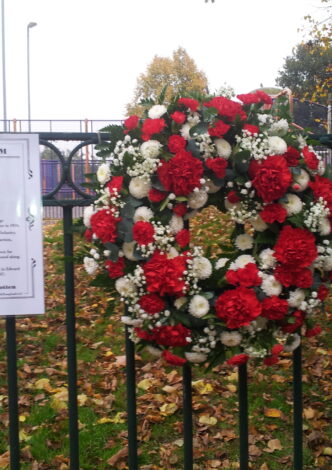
(131,403)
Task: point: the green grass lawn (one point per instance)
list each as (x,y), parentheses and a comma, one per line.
(101,384)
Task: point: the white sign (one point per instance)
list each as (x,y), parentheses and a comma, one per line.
(21,248)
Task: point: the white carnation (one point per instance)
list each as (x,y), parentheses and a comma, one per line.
(151,149)
(179,302)
(202,267)
(125,286)
(293,205)
(197,199)
(185,131)
(128,250)
(224,149)
(195,357)
(324,226)
(279,128)
(244,242)
(241,261)
(258,224)
(143,213)
(90,265)
(270,286)
(211,187)
(176,223)
(157,111)
(103,173)
(221,263)
(139,187)
(296,297)
(230,338)
(302,180)
(172,253)
(199,306)
(293,342)
(267,260)
(327,266)
(277,145)
(88,211)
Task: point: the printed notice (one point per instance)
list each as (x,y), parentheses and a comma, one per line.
(21,249)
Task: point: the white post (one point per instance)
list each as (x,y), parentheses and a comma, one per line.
(30,25)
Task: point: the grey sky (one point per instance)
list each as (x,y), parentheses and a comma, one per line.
(85,55)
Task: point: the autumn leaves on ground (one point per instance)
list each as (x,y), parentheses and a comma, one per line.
(102,407)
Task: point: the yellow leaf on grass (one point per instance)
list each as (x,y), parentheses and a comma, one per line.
(104,420)
(168,409)
(118,419)
(82,399)
(59,400)
(327,451)
(202,388)
(231,387)
(22,418)
(43,384)
(207,420)
(272,413)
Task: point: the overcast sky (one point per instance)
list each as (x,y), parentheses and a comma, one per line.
(85,56)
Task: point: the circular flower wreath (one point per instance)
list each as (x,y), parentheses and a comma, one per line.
(248,160)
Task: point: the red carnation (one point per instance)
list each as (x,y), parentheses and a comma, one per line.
(226,107)
(274,308)
(173,359)
(183,238)
(322,292)
(143,232)
(322,187)
(217,165)
(219,129)
(114,186)
(182,174)
(152,126)
(103,225)
(246,277)
(238,307)
(152,303)
(297,322)
(233,197)
(249,98)
(250,128)
(164,275)
(180,209)
(316,330)
(131,123)
(115,268)
(144,334)
(264,97)
(189,103)
(172,335)
(156,196)
(293,277)
(273,213)
(277,349)
(238,360)
(88,235)
(176,143)
(271,360)
(295,247)
(292,156)
(271,178)
(178,117)
(310,158)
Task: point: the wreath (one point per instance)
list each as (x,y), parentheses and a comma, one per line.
(246,158)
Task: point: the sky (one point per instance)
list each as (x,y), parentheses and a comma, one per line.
(85,56)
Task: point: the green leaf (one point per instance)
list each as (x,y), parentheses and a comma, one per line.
(200,128)
(114,251)
(128,211)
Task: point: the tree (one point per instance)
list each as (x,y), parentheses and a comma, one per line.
(179,73)
(308,72)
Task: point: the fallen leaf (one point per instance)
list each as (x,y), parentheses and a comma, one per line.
(254,451)
(82,399)
(120,361)
(118,456)
(202,388)
(207,420)
(309,413)
(4,460)
(168,409)
(272,413)
(327,451)
(43,384)
(272,445)
(264,466)
(145,384)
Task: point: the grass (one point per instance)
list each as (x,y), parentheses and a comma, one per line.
(102,397)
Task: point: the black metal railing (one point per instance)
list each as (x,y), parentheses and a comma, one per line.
(67,205)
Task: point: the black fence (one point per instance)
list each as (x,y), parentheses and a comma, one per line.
(67,206)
